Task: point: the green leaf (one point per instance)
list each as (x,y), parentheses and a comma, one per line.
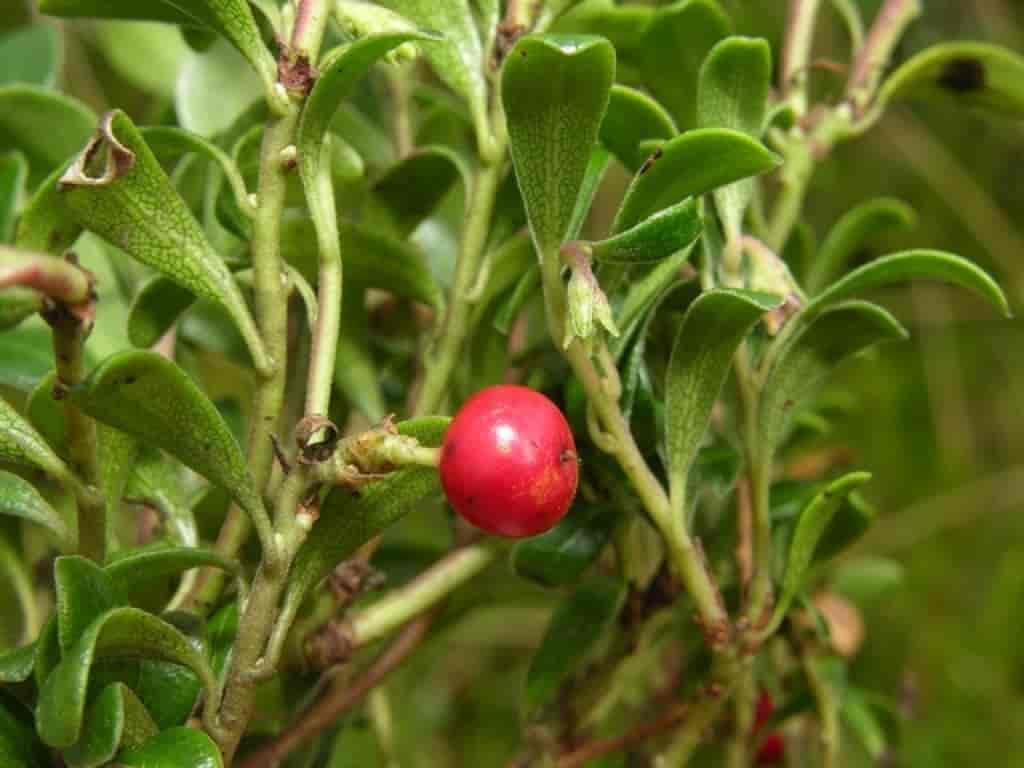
(214,88)
(13,172)
(31,55)
(123,44)
(46,225)
(969,74)
(19,498)
(813,522)
(848,236)
(623,25)
(149,397)
(46,414)
(133,205)
(84,592)
(561,555)
(733,91)
(713,328)
(23,108)
(654,238)
(642,295)
(116,452)
(811,355)
(26,356)
(16,665)
(169,144)
(232,19)
(372,259)
(555,91)
(120,632)
(867,579)
(460,63)
(672,50)
(47,655)
(596,167)
(174,748)
(633,117)
(155,308)
(852,520)
(17,304)
(861,720)
(412,188)
(911,265)
(157,479)
(21,444)
(19,747)
(579,622)
(135,572)
(348,521)
(107,727)
(699,161)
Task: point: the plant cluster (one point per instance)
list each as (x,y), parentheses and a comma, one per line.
(417,203)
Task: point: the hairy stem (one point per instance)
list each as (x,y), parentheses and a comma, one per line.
(94,530)
(688,562)
(744,708)
(828,712)
(429,588)
(797,51)
(446,346)
(885,34)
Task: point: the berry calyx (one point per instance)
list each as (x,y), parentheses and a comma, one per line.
(509,463)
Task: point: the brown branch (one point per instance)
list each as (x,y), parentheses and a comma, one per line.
(340,699)
(637,735)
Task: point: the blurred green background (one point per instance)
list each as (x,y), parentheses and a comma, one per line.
(940,424)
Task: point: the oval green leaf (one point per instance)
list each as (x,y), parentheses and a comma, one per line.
(654,238)
(16,665)
(13,173)
(19,747)
(848,236)
(30,54)
(811,355)
(134,572)
(152,399)
(133,205)
(672,50)
(970,74)
(23,108)
(116,719)
(555,91)
(21,444)
(810,528)
(633,117)
(19,498)
(561,555)
(713,328)
(578,624)
(412,188)
(84,592)
(912,265)
(155,308)
(689,165)
(120,632)
(174,748)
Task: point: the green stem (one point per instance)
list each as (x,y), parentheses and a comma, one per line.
(702,716)
(94,530)
(828,712)
(602,394)
(795,176)
(890,24)
(328,318)
(419,595)
(310,22)
(446,346)
(744,708)
(797,51)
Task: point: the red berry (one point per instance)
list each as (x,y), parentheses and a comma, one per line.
(772,750)
(765,709)
(508,462)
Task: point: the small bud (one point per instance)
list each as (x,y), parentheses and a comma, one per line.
(588,306)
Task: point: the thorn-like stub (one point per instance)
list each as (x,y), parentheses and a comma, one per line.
(316,437)
(331,644)
(295,72)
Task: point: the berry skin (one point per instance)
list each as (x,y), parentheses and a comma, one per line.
(765,710)
(772,750)
(508,462)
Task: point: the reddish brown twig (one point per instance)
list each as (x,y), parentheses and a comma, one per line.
(339,700)
(637,735)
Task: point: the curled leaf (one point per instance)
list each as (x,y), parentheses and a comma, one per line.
(131,203)
(19,498)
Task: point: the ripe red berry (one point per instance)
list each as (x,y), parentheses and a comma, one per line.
(765,709)
(508,462)
(772,750)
